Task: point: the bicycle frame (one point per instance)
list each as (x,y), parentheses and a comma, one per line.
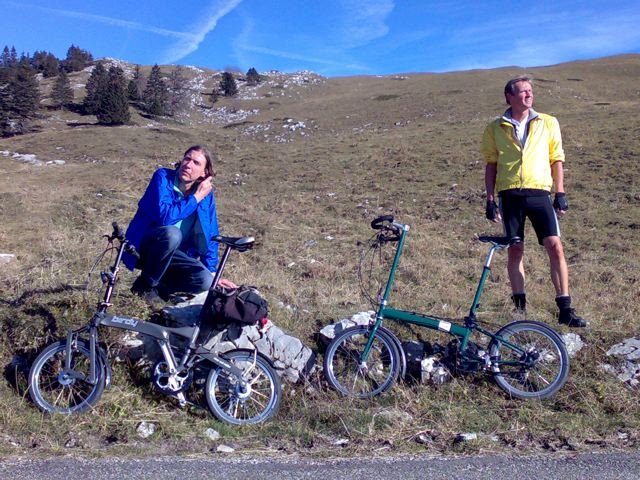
(192,352)
(462,332)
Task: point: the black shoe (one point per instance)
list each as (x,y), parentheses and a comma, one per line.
(569,317)
(148,294)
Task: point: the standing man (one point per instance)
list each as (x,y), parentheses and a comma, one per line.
(173,227)
(524,159)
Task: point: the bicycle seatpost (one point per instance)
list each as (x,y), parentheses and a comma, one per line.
(223,261)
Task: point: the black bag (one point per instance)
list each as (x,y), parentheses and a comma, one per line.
(243,305)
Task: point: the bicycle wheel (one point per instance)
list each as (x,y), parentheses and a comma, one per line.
(349,375)
(55,391)
(532,360)
(237,405)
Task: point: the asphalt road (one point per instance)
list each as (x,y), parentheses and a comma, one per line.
(602,466)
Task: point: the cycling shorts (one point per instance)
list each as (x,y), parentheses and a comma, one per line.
(518,205)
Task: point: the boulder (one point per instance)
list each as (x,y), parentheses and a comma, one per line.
(292,359)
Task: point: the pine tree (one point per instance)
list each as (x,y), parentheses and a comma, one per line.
(155,94)
(19,99)
(253,77)
(95,84)
(228,85)
(77,59)
(62,93)
(46,63)
(6,57)
(177,91)
(114,106)
(135,86)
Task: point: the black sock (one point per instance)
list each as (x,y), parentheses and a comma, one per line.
(519,300)
(563,302)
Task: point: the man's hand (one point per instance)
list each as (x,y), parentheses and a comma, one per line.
(560,203)
(204,188)
(224,283)
(492,211)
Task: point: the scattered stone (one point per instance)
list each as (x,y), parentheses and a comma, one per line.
(225,449)
(466,437)
(627,367)
(145,429)
(424,439)
(6,258)
(330,332)
(72,443)
(573,342)
(212,434)
(340,442)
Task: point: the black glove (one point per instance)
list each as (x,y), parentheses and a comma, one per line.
(492,210)
(560,202)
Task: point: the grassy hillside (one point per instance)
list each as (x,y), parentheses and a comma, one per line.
(304,164)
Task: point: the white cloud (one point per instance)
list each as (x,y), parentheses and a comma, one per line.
(116,22)
(190,44)
(364,20)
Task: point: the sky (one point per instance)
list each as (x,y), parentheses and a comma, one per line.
(329,37)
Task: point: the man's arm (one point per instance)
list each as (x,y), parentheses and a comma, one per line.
(557,172)
(490,173)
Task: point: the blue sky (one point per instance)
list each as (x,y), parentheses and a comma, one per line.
(330,37)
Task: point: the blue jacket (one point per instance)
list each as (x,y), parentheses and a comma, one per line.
(162,206)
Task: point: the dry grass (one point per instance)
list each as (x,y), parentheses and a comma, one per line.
(372,145)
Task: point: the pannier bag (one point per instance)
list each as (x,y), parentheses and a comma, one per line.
(243,305)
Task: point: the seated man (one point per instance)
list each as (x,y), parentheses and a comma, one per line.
(173,227)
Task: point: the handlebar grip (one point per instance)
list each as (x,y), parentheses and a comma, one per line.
(117,231)
(378,223)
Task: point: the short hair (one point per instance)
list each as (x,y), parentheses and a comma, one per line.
(209,169)
(510,87)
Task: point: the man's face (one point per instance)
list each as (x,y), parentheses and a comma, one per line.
(192,167)
(522,98)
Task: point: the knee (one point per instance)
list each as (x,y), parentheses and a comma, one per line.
(171,235)
(516,252)
(203,280)
(554,248)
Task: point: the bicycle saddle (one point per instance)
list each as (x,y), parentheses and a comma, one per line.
(504,241)
(241,244)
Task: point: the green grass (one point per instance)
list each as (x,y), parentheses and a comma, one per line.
(371,146)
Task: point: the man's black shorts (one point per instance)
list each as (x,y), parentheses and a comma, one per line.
(517,205)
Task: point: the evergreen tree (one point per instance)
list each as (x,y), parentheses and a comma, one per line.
(6,57)
(77,59)
(253,77)
(155,94)
(114,106)
(46,63)
(62,93)
(19,99)
(134,88)
(228,85)
(13,57)
(177,91)
(95,85)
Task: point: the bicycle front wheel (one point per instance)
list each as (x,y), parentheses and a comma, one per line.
(55,390)
(255,402)
(531,360)
(346,371)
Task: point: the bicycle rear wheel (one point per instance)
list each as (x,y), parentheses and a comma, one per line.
(532,360)
(349,375)
(54,390)
(232,403)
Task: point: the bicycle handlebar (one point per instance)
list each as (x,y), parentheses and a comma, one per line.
(118,234)
(391,231)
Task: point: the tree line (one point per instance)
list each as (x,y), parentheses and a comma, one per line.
(109,93)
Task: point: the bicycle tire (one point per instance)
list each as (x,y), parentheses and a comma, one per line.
(345,372)
(230,404)
(545,352)
(54,392)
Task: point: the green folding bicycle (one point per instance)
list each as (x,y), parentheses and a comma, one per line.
(527,359)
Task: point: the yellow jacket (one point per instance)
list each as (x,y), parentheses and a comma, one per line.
(528,168)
